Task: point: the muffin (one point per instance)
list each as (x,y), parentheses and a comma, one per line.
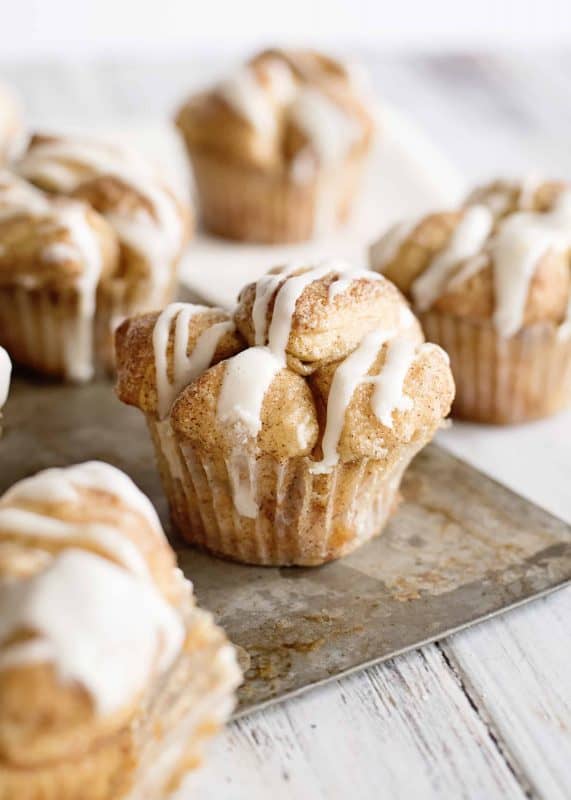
(58,263)
(278,148)
(491,283)
(11,125)
(111,679)
(284,440)
(151,223)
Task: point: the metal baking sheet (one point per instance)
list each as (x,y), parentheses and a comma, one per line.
(461,548)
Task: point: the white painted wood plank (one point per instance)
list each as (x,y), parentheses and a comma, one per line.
(516,670)
(402,730)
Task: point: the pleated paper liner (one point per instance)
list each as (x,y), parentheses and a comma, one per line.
(301,518)
(503,381)
(249,204)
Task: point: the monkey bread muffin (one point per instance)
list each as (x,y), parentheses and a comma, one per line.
(151,223)
(111,678)
(491,283)
(278,148)
(282,431)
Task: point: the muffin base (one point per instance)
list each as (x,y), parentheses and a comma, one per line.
(45,330)
(253,205)
(48,330)
(147,760)
(503,381)
(302,519)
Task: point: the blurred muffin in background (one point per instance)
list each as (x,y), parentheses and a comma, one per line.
(151,223)
(11,125)
(278,149)
(491,283)
(282,433)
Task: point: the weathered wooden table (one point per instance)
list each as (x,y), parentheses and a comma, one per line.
(486,713)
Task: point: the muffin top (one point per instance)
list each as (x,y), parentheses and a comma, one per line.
(504,256)
(294,112)
(324,362)
(46,241)
(91,609)
(152,224)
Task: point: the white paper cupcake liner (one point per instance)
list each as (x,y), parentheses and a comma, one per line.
(300,518)
(499,380)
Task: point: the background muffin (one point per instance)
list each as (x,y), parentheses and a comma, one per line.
(278,148)
(57,257)
(491,283)
(152,224)
(289,444)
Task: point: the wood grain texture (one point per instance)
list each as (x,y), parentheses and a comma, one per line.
(402,730)
(487,716)
(515,670)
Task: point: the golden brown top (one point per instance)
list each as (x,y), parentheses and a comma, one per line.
(504,256)
(294,112)
(151,222)
(91,609)
(328,363)
(51,242)
(150,364)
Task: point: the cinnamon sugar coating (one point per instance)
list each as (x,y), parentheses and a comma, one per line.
(470,291)
(428,383)
(136,373)
(289,425)
(326,325)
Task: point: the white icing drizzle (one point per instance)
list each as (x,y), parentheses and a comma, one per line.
(245,94)
(284,306)
(386,249)
(265,289)
(520,242)
(330,129)
(256,99)
(347,277)
(388,395)
(186,367)
(99,626)
(466,242)
(17,198)
(268,284)
(348,375)
(60,486)
(247,377)
(5,373)
(34,525)
(156,236)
